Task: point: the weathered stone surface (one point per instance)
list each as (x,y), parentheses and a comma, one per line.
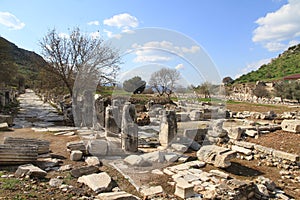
(235,133)
(136,160)
(22,154)
(6,119)
(30,170)
(97,147)
(4,126)
(244,144)
(77,145)
(285,155)
(219,173)
(112,120)
(195,134)
(291,125)
(179,147)
(76,155)
(262,190)
(168,128)
(151,191)
(241,150)
(171,157)
(93,161)
(101,182)
(196,115)
(183,189)
(263,149)
(218,156)
(156,156)
(116,196)
(55,182)
(129,129)
(43,145)
(85,170)
(251,133)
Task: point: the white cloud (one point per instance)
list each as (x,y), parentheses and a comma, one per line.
(144,55)
(253,66)
(179,66)
(95,35)
(96,23)
(168,46)
(156,51)
(9,20)
(278,46)
(123,21)
(278,28)
(110,34)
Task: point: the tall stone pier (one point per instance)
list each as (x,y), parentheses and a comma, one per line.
(168,128)
(129,129)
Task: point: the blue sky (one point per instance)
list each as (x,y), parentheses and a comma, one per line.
(238,36)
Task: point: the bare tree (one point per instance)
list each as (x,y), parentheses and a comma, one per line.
(164,80)
(68,55)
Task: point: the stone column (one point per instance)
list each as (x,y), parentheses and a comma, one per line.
(168,127)
(100,106)
(129,133)
(111,126)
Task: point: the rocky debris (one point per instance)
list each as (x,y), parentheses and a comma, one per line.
(183,189)
(269,156)
(216,155)
(85,170)
(55,182)
(22,154)
(8,119)
(76,155)
(197,135)
(77,145)
(30,170)
(121,195)
(154,157)
(65,168)
(97,147)
(93,161)
(136,160)
(42,145)
(4,126)
(101,182)
(151,191)
(291,125)
(179,147)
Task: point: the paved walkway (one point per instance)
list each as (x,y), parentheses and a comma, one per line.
(34,112)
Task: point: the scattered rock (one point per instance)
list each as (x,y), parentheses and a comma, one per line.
(93,161)
(151,191)
(76,155)
(55,182)
(30,170)
(136,160)
(101,182)
(116,196)
(85,170)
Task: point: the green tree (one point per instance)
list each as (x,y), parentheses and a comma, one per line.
(135,85)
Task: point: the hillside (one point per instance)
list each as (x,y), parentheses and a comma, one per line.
(285,64)
(17,63)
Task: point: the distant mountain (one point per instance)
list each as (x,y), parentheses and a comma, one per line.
(285,64)
(16,62)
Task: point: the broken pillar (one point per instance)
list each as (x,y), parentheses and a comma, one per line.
(111,126)
(168,127)
(129,133)
(100,106)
